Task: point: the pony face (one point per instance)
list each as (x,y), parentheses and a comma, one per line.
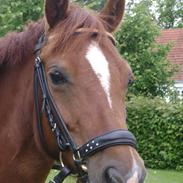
(88,81)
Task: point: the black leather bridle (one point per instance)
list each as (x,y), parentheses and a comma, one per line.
(60,131)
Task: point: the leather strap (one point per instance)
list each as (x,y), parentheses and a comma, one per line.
(96,31)
(40,43)
(112,138)
(60,177)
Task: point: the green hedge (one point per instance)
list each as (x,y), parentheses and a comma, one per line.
(158,127)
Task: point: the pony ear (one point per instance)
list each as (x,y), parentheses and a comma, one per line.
(55,10)
(112,14)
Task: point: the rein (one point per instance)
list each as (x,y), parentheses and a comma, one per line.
(58,126)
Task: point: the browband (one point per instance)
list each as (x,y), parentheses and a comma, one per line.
(86,30)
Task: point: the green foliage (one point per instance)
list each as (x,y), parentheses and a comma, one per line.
(158,127)
(93,4)
(170,13)
(167,13)
(14,14)
(137,43)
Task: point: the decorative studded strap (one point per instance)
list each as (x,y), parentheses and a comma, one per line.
(112,138)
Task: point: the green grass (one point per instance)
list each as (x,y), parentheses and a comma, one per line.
(164,176)
(54,172)
(154,176)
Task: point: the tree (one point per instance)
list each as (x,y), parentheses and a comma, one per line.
(14,14)
(137,43)
(167,13)
(93,4)
(170,13)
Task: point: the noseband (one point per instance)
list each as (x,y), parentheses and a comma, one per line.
(58,126)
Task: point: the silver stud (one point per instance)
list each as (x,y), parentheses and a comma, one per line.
(91,147)
(54,127)
(93,142)
(97,144)
(86,150)
(87,145)
(84,168)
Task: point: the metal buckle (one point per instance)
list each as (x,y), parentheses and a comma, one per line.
(61,161)
(79,161)
(37,62)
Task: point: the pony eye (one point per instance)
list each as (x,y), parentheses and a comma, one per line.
(131,80)
(58,78)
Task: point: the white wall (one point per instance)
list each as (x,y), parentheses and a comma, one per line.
(179,88)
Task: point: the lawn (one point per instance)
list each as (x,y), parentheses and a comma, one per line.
(154,176)
(164,176)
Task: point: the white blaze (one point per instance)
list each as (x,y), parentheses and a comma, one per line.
(133,178)
(100,66)
(135,170)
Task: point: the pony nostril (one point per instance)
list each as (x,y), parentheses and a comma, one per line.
(143,177)
(113,176)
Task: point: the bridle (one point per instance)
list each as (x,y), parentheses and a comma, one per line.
(59,129)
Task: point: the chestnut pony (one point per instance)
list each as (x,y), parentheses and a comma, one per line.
(87,80)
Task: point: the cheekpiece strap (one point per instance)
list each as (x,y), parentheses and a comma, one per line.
(40,43)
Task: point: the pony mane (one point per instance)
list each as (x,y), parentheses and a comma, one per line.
(17,47)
